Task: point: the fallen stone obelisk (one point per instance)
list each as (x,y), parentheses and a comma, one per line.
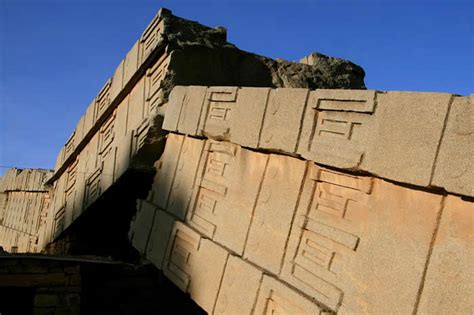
(263,186)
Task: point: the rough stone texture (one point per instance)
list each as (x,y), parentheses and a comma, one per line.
(455,164)
(449,278)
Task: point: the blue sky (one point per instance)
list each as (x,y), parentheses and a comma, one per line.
(55,55)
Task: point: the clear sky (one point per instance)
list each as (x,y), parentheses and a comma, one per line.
(56,54)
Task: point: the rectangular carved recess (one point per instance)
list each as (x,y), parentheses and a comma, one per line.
(210,192)
(184,245)
(218,109)
(340,124)
(69,146)
(325,242)
(221,101)
(93,186)
(59,221)
(151,37)
(139,136)
(71,175)
(106,136)
(102,100)
(154,76)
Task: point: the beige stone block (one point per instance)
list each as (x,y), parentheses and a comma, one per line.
(107,152)
(131,63)
(57,164)
(227,113)
(80,188)
(117,81)
(185,176)
(409,127)
(89,118)
(283,116)
(108,168)
(122,160)
(234,114)
(139,138)
(394,135)
(359,245)
(239,287)
(70,192)
(165,170)
(159,237)
(120,125)
(80,132)
(103,100)
(195,265)
(151,37)
(275,297)
(70,146)
(191,110)
(454,168)
(274,212)
(222,204)
(140,227)
(153,78)
(337,127)
(174,108)
(449,281)
(136,105)
(91,151)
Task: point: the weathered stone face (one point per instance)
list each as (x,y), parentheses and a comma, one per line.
(400,136)
(343,242)
(121,129)
(266,186)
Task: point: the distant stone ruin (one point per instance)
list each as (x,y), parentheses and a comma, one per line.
(262,186)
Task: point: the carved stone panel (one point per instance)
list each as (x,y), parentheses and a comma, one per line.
(348,229)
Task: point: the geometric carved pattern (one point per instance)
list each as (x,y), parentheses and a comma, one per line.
(69,146)
(326,233)
(154,76)
(212,189)
(93,189)
(276,298)
(220,100)
(106,136)
(183,246)
(151,36)
(102,100)
(139,136)
(59,221)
